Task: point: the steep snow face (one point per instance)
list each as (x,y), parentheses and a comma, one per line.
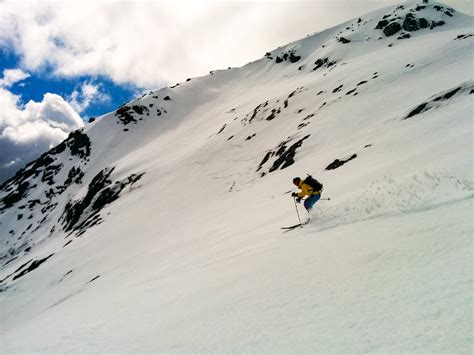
(156,228)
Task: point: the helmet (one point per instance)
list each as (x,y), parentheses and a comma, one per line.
(297,181)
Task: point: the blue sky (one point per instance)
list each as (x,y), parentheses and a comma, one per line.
(43,81)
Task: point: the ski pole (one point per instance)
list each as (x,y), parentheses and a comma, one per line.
(296,206)
(326,199)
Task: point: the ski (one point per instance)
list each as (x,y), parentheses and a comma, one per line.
(296,225)
(293,227)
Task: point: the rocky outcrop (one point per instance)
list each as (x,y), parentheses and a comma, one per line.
(441,99)
(411,22)
(340,162)
(100,192)
(324,63)
(391,29)
(285,155)
(290,56)
(343,40)
(46,166)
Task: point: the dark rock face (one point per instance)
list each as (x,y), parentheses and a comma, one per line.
(465,89)
(437,24)
(265,159)
(381,24)
(410,23)
(391,29)
(423,23)
(459,37)
(257,113)
(324,62)
(343,40)
(223,127)
(79,144)
(93,279)
(74,176)
(140,109)
(287,56)
(284,153)
(18,186)
(132,114)
(449,94)
(320,62)
(124,115)
(34,265)
(15,196)
(338,163)
(404,36)
(73,210)
(273,114)
(417,110)
(294,58)
(49,172)
(101,192)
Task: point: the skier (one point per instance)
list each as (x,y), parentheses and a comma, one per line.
(309,187)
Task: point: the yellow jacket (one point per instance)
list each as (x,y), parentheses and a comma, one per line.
(306,190)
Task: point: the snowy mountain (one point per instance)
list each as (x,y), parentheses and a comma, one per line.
(156,228)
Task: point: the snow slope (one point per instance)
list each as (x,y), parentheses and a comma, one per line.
(157,227)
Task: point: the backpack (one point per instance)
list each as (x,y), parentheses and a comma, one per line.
(315,184)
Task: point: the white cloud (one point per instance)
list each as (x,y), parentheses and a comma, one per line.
(12,76)
(26,132)
(153,43)
(87,94)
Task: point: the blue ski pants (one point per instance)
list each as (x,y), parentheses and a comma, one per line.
(310,201)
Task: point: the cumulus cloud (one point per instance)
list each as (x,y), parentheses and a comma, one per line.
(87,94)
(153,43)
(28,131)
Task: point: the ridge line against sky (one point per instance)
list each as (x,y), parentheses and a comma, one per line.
(62,61)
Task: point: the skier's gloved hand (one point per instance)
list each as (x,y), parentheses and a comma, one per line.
(298,199)
(294,194)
